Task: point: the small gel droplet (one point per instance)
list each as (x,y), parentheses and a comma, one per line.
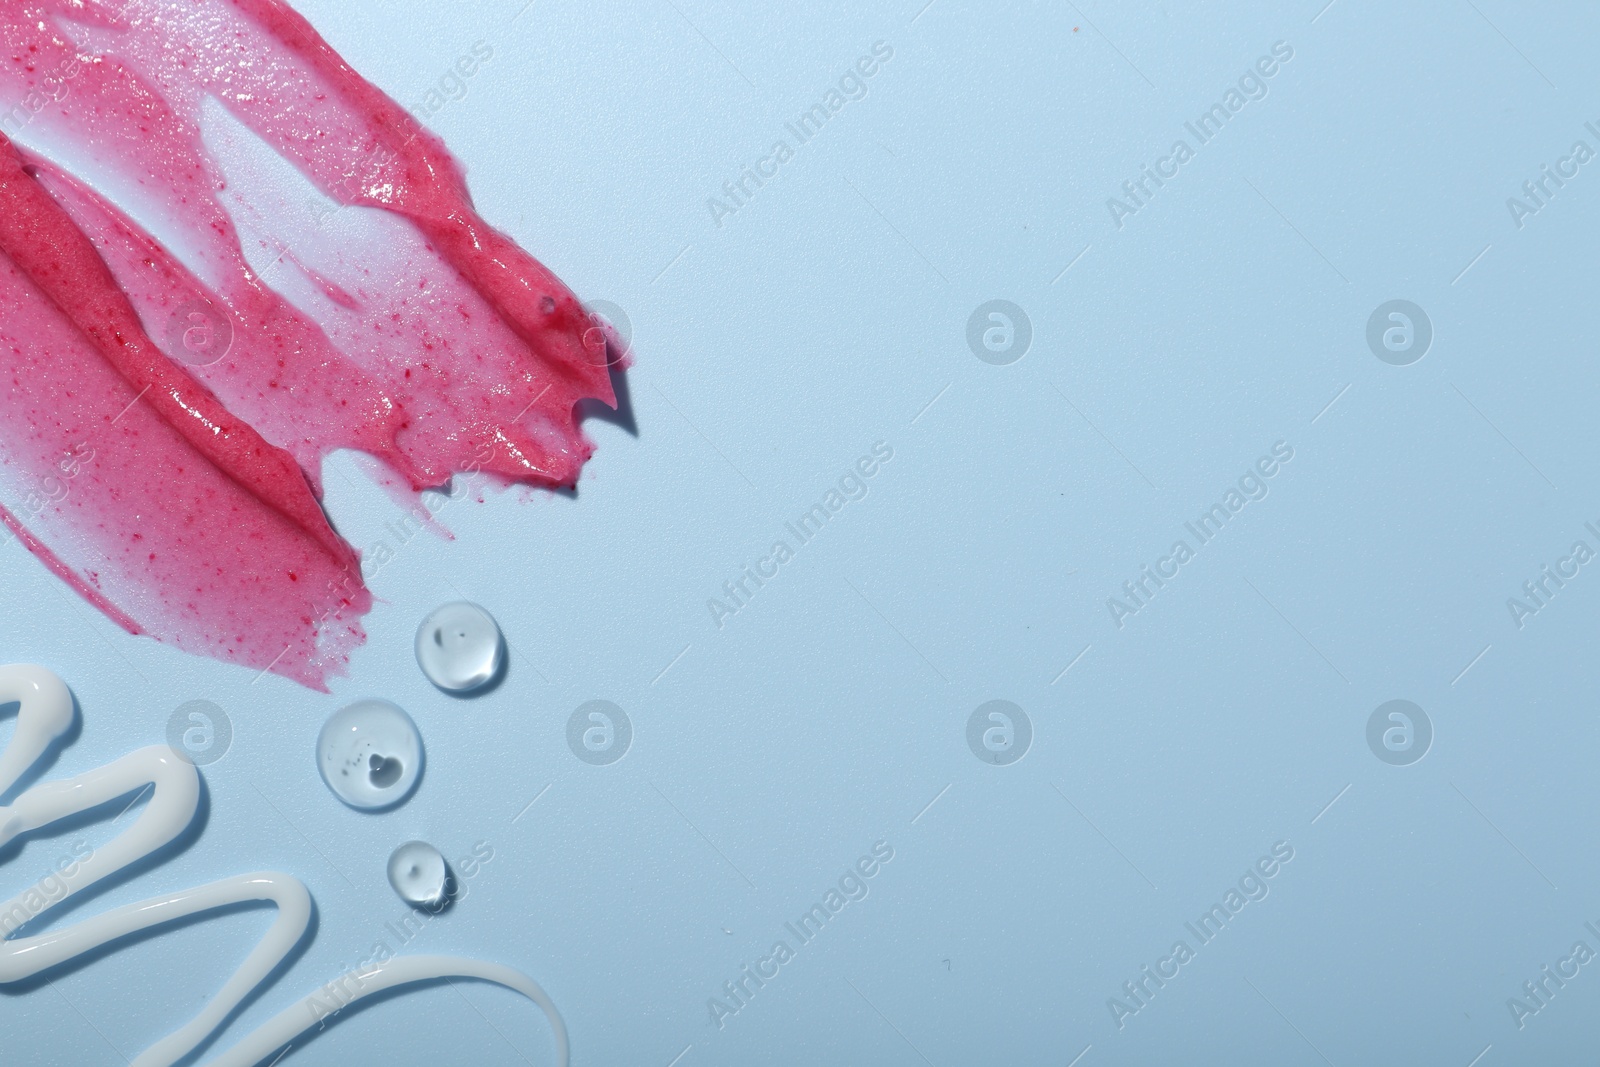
(380,744)
(419,874)
(459,647)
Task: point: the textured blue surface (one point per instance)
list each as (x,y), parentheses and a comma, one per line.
(829,312)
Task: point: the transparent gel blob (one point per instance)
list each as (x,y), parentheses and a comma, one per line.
(370,754)
(459,647)
(419,874)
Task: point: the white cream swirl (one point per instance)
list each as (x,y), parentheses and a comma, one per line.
(46,713)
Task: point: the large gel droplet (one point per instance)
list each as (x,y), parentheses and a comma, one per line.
(419,874)
(370,754)
(459,647)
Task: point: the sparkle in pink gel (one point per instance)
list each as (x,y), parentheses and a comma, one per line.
(197,520)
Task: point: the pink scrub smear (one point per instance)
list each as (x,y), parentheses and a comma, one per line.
(168,407)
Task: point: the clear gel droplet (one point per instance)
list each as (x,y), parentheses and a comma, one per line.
(419,874)
(459,647)
(370,754)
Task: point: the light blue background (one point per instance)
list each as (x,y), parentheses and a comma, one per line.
(772,351)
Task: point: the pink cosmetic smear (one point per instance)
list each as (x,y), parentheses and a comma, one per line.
(208,394)
(165,511)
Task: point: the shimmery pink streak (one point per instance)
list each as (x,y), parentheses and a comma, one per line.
(171,512)
(439,348)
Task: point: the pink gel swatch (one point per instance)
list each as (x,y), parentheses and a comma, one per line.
(168,410)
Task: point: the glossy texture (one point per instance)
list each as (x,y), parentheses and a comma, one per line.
(207,393)
(419,874)
(44,717)
(370,754)
(460,648)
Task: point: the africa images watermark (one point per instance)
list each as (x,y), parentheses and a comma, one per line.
(51,489)
(851,886)
(1537,993)
(381,553)
(850,85)
(1152,578)
(1252,885)
(336,995)
(1540,590)
(47,891)
(1252,85)
(451,86)
(852,485)
(53,87)
(1539,191)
